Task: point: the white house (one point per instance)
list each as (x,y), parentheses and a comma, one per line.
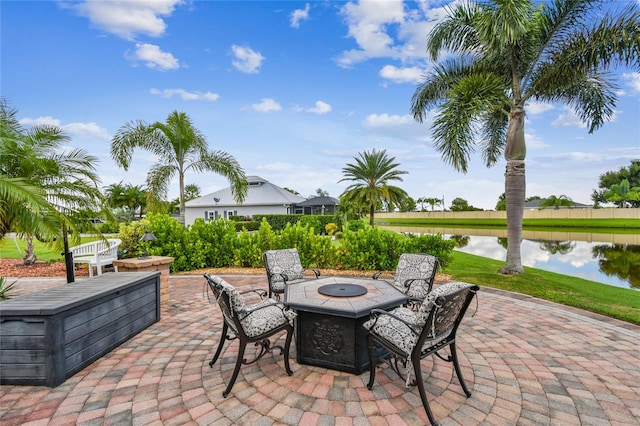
(263,197)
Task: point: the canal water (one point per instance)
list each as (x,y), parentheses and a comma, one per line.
(612,259)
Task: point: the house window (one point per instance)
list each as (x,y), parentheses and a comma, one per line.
(210,215)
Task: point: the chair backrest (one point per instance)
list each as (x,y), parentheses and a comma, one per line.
(229,299)
(283,262)
(415,273)
(443,310)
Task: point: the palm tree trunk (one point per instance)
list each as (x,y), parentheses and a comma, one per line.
(515,190)
(29,255)
(372,209)
(181,181)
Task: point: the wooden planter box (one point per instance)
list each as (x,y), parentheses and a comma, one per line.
(48,336)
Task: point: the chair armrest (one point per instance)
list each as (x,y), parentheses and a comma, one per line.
(376,275)
(377,313)
(315,271)
(260,292)
(283,308)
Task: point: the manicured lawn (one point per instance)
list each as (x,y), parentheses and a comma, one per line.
(14,249)
(604,299)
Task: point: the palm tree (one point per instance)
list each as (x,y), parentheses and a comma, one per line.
(179,147)
(433,202)
(35,169)
(622,193)
(557,201)
(512,52)
(370,176)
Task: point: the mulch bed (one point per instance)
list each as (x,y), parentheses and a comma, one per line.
(15,268)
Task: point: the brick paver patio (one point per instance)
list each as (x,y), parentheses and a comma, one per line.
(527,362)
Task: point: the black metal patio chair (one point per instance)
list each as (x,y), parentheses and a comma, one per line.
(250,324)
(411,336)
(414,276)
(284,267)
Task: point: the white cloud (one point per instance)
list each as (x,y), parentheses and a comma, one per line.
(40,121)
(154,58)
(399,127)
(533,141)
(81,130)
(299,15)
(568,119)
(267,105)
(320,108)
(401,75)
(246,59)
(185,95)
(386,120)
(534,107)
(633,79)
(388,29)
(87,130)
(126,18)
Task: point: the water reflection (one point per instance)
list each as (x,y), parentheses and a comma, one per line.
(612,259)
(622,261)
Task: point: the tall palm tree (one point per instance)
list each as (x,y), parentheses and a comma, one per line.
(370,175)
(179,147)
(510,52)
(34,168)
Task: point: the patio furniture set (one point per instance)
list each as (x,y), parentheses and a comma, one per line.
(347,324)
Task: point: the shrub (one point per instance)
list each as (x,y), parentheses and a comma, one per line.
(109,227)
(330,228)
(130,234)
(247,226)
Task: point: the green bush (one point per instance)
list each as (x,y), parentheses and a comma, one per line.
(130,234)
(247,225)
(216,244)
(109,227)
(434,245)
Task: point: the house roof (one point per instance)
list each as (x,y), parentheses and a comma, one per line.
(260,192)
(319,201)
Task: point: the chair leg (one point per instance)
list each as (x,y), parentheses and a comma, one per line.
(423,396)
(287,345)
(90,270)
(236,370)
(372,362)
(456,366)
(223,337)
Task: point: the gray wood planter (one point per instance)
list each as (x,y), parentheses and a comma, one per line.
(48,336)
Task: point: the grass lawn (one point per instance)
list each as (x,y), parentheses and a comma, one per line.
(620,303)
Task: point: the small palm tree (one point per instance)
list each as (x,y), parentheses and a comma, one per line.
(509,53)
(179,147)
(557,201)
(622,193)
(370,175)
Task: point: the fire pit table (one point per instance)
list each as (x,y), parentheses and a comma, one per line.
(331,312)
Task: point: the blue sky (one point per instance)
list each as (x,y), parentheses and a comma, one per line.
(293,90)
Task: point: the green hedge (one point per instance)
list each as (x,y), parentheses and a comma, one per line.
(217,244)
(279,221)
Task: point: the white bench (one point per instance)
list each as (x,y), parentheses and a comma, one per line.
(97,254)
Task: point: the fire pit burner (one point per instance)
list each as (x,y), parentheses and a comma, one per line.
(342,290)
